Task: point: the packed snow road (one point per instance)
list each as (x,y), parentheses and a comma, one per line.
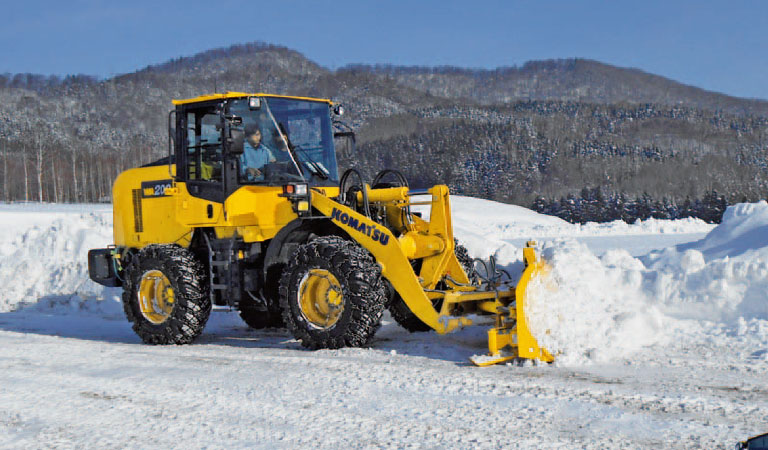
(70,381)
(73,374)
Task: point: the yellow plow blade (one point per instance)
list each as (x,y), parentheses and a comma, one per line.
(511,338)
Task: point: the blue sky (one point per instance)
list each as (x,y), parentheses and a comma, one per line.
(717,45)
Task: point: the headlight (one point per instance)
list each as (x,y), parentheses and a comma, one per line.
(295,190)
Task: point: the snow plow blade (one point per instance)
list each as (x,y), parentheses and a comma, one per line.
(511,338)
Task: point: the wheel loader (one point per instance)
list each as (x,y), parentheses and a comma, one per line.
(248,211)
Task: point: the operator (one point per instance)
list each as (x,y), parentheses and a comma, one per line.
(255,156)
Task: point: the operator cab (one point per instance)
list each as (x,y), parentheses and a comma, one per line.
(754,443)
(226,141)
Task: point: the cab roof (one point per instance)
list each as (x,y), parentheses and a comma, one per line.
(208,97)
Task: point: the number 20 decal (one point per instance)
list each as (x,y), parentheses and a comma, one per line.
(156,188)
(160,189)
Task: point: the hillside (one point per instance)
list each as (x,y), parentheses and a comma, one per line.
(547,128)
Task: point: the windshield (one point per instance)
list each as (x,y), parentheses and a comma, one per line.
(283,134)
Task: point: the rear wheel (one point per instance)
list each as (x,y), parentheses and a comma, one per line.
(403,315)
(165,295)
(332,294)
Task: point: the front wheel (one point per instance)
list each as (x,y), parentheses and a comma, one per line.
(165,295)
(332,294)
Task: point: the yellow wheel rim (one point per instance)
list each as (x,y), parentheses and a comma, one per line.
(320,298)
(156,296)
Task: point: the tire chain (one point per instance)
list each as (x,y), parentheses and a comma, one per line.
(189,280)
(363,286)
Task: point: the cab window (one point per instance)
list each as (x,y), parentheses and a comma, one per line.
(204,147)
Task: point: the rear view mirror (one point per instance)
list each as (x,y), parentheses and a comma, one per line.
(235,135)
(236,141)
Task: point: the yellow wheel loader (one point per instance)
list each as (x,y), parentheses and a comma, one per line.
(248,211)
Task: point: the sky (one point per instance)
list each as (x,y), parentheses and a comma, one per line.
(717,45)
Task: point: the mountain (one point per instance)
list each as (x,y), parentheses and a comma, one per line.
(578,80)
(547,128)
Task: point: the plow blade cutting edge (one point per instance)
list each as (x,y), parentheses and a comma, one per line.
(511,338)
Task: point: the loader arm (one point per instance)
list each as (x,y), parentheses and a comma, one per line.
(390,255)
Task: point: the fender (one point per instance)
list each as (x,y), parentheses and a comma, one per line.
(317,225)
(272,255)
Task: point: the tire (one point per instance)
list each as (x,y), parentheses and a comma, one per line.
(466,261)
(258,317)
(403,315)
(156,273)
(332,294)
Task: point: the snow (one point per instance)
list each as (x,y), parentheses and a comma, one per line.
(47,246)
(610,307)
(660,330)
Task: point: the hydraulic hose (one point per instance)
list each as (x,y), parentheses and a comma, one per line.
(345,192)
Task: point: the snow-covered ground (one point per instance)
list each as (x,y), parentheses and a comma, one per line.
(661,330)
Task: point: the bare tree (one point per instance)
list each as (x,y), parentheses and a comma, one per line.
(6,194)
(26,174)
(55,184)
(39,167)
(75,192)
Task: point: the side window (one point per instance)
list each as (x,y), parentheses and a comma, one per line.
(204,149)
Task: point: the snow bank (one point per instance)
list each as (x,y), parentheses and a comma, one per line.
(608,308)
(482,225)
(481,214)
(44,258)
(487,227)
(648,226)
(501,221)
(16,218)
(744,229)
